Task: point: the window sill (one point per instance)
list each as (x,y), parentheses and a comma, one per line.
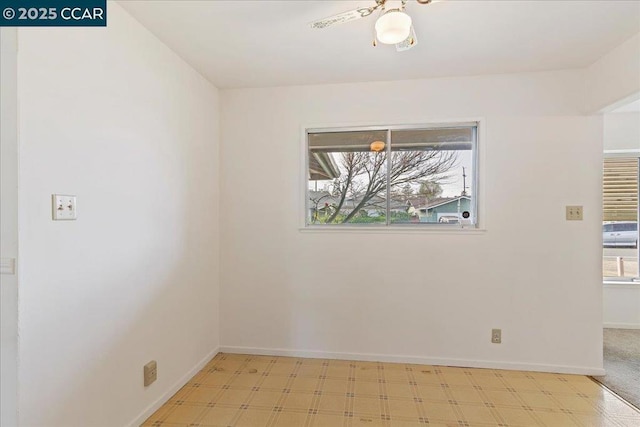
(633,283)
(392,230)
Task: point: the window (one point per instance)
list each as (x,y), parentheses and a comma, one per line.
(620,215)
(392,176)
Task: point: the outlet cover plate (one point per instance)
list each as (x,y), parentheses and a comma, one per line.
(496,336)
(150,373)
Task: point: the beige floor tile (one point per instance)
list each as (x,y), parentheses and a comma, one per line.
(332,403)
(304,384)
(399,390)
(573,402)
(313,371)
(367,388)
(335,385)
(393,375)
(275,382)
(322,420)
(457,379)
(253,418)
(439,411)
(290,419)
(539,401)
(501,398)
(246,379)
(407,423)
(554,419)
(267,399)
(217,416)
(432,393)
(369,421)
(232,391)
(369,373)
(475,414)
(488,382)
(216,379)
(556,386)
(517,417)
(403,408)
(468,395)
(282,368)
(184,414)
(426,376)
(338,371)
(203,395)
(522,384)
(233,397)
(592,420)
(298,401)
(367,406)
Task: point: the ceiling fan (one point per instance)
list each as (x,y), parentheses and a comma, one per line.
(393,25)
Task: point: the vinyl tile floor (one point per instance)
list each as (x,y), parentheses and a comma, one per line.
(254,391)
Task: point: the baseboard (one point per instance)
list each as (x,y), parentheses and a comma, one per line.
(172,390)
(489,364)
(621,326)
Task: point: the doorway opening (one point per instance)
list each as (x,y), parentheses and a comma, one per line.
(620,253)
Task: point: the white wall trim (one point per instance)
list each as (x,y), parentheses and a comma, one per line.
(149,410)
(369,357)
(610,325)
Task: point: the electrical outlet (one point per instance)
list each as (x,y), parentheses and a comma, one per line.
(150,373)
(574,213)
(496,336)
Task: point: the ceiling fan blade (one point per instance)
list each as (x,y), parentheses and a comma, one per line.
(409,42)
(344,17)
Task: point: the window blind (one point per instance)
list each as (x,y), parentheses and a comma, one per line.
(620,189)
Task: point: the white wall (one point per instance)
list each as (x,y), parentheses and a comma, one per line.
(424,297)
(614,78)
(621,305)
(622,131)
(8,228)
(114,117)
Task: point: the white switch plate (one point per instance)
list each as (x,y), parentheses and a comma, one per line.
(64,207)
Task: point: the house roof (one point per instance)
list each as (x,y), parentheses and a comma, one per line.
(440,201)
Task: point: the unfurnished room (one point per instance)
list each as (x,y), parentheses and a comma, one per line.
(318,213)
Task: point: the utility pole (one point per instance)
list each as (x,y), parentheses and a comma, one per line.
(464,182)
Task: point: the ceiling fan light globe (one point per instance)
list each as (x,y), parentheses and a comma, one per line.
(393,27)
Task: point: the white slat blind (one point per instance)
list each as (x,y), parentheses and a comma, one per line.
(620,189)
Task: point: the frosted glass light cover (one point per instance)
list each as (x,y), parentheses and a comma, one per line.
(393,27)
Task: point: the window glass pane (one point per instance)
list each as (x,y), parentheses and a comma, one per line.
(347,178)
(620,227)
(431,176)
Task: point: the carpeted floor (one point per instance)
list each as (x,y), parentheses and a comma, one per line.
(622,363)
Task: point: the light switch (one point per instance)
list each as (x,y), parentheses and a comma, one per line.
(64,207)
(574,213)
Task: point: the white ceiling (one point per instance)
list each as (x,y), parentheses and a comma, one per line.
(269,43)
(632,107)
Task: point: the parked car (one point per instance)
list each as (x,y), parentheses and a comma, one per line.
(620,234)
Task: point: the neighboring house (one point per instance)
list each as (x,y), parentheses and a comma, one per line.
(444,209)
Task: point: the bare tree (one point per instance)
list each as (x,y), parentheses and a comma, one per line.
(364,175)
(430,189)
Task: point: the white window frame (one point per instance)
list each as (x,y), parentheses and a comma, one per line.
(477,199)
(635,281)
